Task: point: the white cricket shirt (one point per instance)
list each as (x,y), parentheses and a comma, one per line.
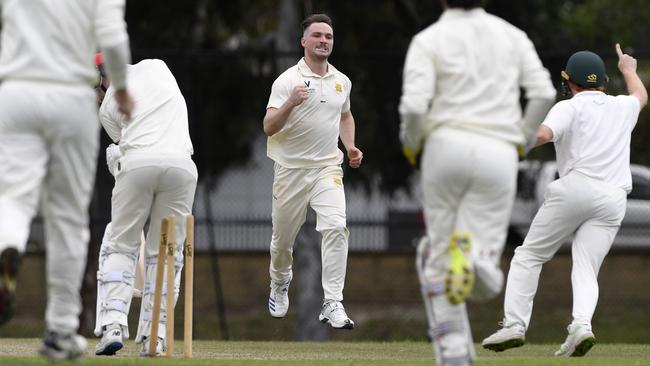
(592,133)
(465,71)
(310,137)
(55,41)
(159,122)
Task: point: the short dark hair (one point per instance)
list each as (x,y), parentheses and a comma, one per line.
(316,18)
(465,4)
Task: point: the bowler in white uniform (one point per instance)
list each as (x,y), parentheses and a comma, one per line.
(308,111)
(49,139)
(592,133)
(154,177)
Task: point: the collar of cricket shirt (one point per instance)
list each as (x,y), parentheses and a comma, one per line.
(304,70)
(457,13)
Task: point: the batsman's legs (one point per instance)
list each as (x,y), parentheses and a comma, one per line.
(176,197)
(447,174)
(485,211)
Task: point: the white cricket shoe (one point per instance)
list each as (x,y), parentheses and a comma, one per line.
(112,340)
(578,342)
(59,346)
(279,299)
(510,336)
(333,313)
(160,346)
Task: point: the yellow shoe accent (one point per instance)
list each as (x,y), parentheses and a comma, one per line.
(459,280)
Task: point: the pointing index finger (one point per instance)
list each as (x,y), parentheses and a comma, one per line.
(618,50)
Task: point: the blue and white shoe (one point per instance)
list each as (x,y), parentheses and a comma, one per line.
(279,299)
(111,342)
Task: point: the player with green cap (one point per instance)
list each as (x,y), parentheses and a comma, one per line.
(592,133)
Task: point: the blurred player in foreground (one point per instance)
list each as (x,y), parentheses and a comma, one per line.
(461,107)
(307,113)
(49,137)
(154,177)
(592,133)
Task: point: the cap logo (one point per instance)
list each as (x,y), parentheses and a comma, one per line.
(592,78)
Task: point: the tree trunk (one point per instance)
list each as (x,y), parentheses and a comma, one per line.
(309,291)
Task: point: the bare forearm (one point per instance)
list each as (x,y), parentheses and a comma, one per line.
(276,118)
(635,87)
(534,114)
(347,130)
(544,135)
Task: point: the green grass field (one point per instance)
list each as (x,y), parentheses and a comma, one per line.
(20,351)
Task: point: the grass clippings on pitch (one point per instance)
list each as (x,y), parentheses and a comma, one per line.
(15,351)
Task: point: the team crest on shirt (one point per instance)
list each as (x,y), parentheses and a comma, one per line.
(338,181)
(338,87)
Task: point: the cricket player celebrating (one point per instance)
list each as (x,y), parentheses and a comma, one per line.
(307,112)
(460,102)
(591,132)
(154,177)
(49,141)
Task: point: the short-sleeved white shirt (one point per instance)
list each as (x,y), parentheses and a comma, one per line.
(310,137)
(592,133)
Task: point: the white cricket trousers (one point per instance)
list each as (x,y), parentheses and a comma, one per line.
(573,204)
(469,185)
(322,189)
(49,137)
(146,186)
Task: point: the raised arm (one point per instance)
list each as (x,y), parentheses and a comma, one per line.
(276,118)
(627,66)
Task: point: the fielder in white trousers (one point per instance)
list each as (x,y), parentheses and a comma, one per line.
(49,136)
(591,132)
(574,203)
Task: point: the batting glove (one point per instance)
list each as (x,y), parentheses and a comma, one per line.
(113,155)
(412,155)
